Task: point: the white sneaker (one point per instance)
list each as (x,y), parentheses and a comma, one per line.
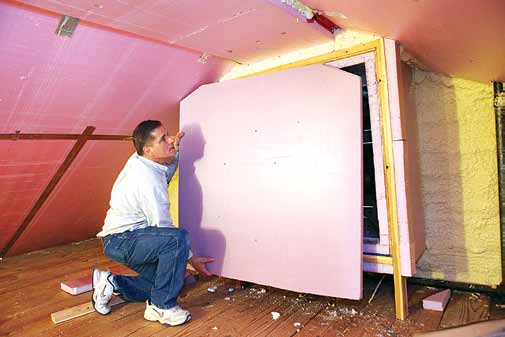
(173,316)
(102,291)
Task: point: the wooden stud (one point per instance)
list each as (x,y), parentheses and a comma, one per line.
(80,310)
(400,282)
(379,259)
(325,58)
(50,187)
(55,136)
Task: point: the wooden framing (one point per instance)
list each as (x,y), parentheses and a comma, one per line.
(376,46)
(57,136)
(81,140)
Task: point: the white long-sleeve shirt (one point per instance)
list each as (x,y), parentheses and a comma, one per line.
(139,197)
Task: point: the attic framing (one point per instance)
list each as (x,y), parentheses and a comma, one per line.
(81,140)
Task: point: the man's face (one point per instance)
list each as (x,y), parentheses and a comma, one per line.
(161,148)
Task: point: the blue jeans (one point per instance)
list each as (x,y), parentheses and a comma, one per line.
(158,255)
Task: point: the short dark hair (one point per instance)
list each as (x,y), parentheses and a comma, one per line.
(142,134)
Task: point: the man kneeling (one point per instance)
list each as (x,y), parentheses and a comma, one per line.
(138,232)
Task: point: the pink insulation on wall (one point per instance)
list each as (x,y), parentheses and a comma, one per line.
(410,219)
(52,84)
(271,179)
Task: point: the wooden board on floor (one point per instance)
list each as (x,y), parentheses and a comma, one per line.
(497,307)
(79,310)
(483,329)
(465,308)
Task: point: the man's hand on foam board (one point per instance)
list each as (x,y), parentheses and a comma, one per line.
(198,262)
(178,138)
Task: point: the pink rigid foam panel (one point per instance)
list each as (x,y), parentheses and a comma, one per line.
(26,167)
(244,31)
(76,209)
(98,77)
(271,179)
(410,224)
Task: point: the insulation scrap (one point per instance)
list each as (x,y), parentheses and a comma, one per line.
(275,315)
(212,289)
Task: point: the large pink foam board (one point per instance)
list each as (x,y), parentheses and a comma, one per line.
(271,179)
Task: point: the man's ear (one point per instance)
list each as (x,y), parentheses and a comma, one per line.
(146,149)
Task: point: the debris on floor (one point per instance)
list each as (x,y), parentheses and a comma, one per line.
(275,315)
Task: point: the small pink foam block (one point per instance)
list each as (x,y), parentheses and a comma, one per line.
(84,284)
(78,286)
(437,301)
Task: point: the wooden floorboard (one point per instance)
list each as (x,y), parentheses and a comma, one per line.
(497,307)
(30,292)
(465,308)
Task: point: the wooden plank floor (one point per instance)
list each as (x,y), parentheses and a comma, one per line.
(30,292)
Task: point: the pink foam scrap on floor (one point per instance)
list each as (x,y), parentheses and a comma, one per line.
(84,284)
(77,286)
(437,301)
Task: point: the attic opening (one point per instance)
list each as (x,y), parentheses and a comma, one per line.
(370,217)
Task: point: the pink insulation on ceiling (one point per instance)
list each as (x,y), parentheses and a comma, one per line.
(243,31)
(460,38)
(26,167)
(51,84)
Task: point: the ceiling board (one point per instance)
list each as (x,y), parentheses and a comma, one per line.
(215,27)
(460,38)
